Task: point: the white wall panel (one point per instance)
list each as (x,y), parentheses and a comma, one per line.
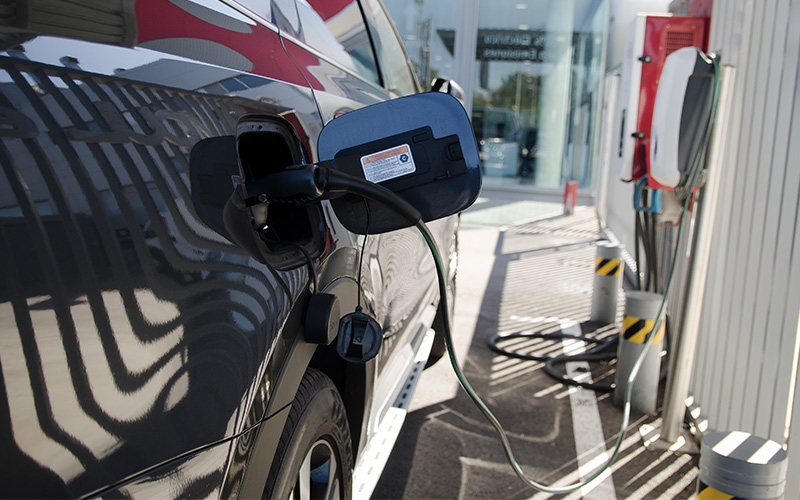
(780,225)
(745,370)
(711,346)
(785,393)
(752,336)
(746,364)
(721,376)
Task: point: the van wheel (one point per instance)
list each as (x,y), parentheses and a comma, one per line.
(314,458)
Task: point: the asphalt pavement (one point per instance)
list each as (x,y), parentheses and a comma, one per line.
(526,267)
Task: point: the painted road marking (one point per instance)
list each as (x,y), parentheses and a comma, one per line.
(586,426)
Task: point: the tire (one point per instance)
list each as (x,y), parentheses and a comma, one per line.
(314,458)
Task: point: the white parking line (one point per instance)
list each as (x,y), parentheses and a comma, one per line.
(586,422)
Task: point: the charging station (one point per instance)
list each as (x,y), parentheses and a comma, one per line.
(651,38)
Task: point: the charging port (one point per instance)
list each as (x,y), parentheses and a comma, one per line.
(265,146)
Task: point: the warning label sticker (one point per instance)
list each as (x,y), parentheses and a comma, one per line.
(388,164)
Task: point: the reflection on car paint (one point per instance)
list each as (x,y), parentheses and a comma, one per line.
(123,252)
(141,349)
(200,34)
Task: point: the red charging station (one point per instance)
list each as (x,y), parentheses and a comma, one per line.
(651,38)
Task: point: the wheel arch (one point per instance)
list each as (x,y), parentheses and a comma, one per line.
(353,382)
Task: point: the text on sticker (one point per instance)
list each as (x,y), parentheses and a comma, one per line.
(388,164)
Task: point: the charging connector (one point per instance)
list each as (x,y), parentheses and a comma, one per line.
(294,185)
(304,184)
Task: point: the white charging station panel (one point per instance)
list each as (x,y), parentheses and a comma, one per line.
(627,112)
(651,38)
(666,127)
(681,115)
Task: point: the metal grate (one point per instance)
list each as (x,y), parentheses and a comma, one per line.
(677,40)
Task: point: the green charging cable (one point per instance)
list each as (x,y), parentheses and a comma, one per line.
(501,433)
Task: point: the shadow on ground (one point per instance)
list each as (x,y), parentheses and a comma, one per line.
(539,280)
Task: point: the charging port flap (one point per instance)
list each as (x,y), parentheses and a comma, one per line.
(422,147)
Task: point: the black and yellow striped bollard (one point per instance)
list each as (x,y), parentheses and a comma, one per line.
(641,310)
(608,267)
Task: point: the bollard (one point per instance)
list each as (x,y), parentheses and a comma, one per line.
(740,465)
(608,268)
(641,309)
(570,195)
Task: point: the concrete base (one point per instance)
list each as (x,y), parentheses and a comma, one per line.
(651,438)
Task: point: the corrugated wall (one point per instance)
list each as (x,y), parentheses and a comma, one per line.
(746,365)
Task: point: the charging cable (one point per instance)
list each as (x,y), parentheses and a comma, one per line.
(304,183)
(634,371)
(314,181)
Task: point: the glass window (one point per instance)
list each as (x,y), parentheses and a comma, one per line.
(337,30)
(537,89)
(536,98)
(427,30)
(397,73)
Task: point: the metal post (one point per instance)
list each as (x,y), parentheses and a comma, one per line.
(641,311)
(608,267)
(684,342)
